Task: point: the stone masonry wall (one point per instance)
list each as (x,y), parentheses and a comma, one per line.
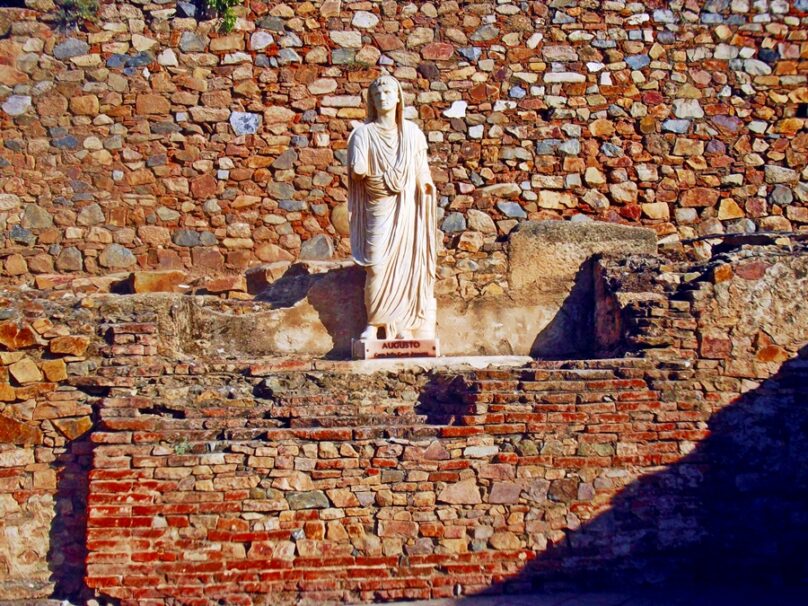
(149,140)
(300,479)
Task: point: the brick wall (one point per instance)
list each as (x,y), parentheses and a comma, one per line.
(150,140)
(381,473)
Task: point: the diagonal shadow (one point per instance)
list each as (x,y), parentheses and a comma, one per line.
(733,512)
(337,295)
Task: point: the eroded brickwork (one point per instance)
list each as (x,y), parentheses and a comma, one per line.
(411,483)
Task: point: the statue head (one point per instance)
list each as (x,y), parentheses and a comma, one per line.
(385,84)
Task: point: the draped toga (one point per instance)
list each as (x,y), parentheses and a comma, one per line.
(393,223)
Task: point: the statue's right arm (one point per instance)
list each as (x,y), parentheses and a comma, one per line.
(358,154)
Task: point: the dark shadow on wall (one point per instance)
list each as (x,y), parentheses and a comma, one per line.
(337,295)
(67,555)
(570,334)
(733,512)
(68,549)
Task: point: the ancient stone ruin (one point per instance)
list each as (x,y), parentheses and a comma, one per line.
(622,274)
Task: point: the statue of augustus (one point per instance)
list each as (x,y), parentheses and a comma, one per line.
(392,203)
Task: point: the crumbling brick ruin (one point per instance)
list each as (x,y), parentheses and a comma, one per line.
(623,269)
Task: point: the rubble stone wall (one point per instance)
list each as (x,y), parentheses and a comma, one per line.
(148,139)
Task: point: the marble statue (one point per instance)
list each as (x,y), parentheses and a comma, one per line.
(392,204)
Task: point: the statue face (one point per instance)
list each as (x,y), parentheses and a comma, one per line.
(384,96)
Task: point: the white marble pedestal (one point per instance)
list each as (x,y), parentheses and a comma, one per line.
(375,349)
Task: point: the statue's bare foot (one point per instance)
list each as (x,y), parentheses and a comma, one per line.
(405,334)
(370,333)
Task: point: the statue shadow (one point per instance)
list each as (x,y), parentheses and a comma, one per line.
(730,514)
(337,295)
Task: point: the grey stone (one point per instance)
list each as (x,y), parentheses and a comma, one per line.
(511,209)
(206,238)
(517,92)
(485,33)
(167,214)
(115,256)
(603,43)
(186,9)
(245,123)
(211,207)
(471,53)
(467,265)
(711,19)
(741,226)
(292,205)
(666,37)
(562,18)
(680,127)
(274,24)
(572,147)
(16,105)
(547,147)
(392,476)
(342,56)
(559,53)
(730,123)
(287,56)
(480,221)
(754,67)
(260,40)
(281,191)
(453,223)
(9,202)
(69,259)
(157,160)
(187,237)
(67,142)
(611,150)
(116,61)
(664,16)
(318,247)
(716,6)
(22,236)
(514,153)
(310,499)
(286,160)
(596,199)
(139,60)
(36,217)
(192,43)
(164,128)
(687,108)
(781,195)
(72,47)
(90,215)
(780,174)
(638,61)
